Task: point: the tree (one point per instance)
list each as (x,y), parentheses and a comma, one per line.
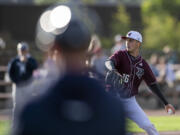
(120,25)
(54,1)
(48,1)
(121,21)
(161,25)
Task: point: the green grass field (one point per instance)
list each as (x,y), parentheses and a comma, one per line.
(4,127)
(162,123)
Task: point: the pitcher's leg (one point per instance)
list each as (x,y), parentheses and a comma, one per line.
(136,114)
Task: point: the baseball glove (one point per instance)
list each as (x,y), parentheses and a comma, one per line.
(115,79)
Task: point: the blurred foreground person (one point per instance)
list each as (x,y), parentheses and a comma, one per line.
(75,103)
(97,58)
(20,71)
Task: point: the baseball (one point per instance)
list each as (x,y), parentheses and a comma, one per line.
(170,111)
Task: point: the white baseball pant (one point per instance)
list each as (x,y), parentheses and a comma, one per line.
(135,113)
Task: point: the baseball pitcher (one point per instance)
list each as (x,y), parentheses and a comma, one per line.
(127,69)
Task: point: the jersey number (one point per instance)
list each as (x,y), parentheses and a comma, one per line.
(126,78)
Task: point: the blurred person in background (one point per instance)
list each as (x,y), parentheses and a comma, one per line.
(2,43)
(166,72)
(94,45)
(98,58)
(20,71)
(153,61)
(171,59)
(167,79)
(170,55)
(74,103)
(119,44)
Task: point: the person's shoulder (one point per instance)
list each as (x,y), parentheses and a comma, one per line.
(121,52)
(72,85)
(30,58)
(91,88)
(13,60)
(145,63)
(32,61)
(124,52)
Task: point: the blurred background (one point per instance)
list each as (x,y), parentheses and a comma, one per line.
(157,20)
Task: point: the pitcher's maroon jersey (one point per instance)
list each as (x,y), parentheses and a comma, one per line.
(133,70)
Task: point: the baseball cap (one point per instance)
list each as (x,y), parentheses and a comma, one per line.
(133,35)
(22,46)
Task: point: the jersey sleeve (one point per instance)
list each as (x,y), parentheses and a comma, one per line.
(116,58)
(149,77)
(32,63)
(12,71)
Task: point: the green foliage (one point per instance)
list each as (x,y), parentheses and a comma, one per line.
(160,31)
(106,42)
(151,5)
(54,1)
(171,7)
(4,127)
(48,1)
(121,21)
(89,1)
(162,123)
(120,25)
(160,27)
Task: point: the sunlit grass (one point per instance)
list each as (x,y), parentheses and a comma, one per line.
(4,127)
(162,123)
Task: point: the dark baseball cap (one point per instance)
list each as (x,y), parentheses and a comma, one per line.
(23,46)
